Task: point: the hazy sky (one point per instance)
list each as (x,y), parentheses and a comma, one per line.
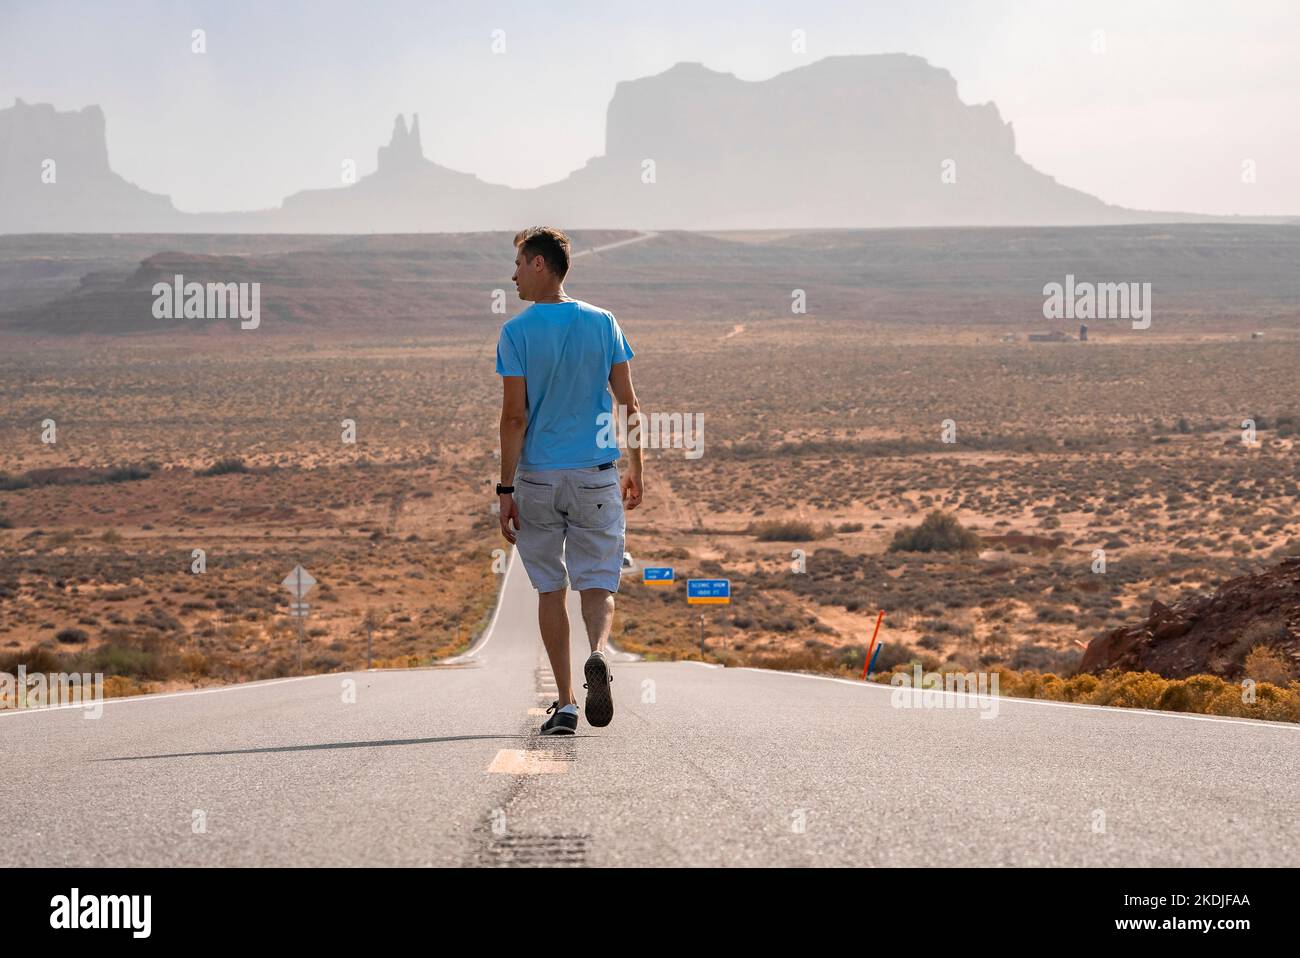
(1183,93)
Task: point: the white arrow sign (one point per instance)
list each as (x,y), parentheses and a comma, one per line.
(299,581)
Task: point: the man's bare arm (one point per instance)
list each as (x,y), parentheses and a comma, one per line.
(514,421)
(620,382)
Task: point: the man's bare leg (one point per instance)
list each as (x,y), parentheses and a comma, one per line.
(553,619)
(598,616)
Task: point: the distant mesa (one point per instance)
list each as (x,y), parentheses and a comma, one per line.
(847,141)
(39,144)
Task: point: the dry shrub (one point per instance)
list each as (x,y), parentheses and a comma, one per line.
(1134,690)
(403,662)
(938,532)
(797,661)
(120,686)
(1197,694)
(1264,663)
(194,663)
(789,530)
(1193,694)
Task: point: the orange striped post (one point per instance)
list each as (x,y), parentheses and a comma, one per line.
(866,663)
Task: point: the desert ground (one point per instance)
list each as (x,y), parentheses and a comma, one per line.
(907,385)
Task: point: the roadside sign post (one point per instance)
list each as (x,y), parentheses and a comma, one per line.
(707,592)
(299,583)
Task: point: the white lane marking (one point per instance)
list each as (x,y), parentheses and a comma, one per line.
(1011,700)
(124,699)
(492,624)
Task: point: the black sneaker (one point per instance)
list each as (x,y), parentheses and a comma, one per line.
(561,723)
(599,706)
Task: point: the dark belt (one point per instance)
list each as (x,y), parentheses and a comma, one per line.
(607,465)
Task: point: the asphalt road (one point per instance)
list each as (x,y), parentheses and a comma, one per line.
(701,766)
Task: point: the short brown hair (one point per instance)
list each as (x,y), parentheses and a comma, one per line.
(548,243)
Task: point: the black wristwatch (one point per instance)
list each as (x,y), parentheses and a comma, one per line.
(504,490)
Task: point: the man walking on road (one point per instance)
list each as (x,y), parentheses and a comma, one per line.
(560,486)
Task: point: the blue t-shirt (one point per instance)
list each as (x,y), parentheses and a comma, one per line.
(564,404)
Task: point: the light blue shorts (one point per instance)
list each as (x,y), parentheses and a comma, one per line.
(571,527)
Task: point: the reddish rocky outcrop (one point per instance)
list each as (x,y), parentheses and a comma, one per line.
(1209,633)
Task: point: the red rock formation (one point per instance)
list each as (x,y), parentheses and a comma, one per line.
(1209,633)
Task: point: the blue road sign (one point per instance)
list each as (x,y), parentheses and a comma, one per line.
(708,591)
